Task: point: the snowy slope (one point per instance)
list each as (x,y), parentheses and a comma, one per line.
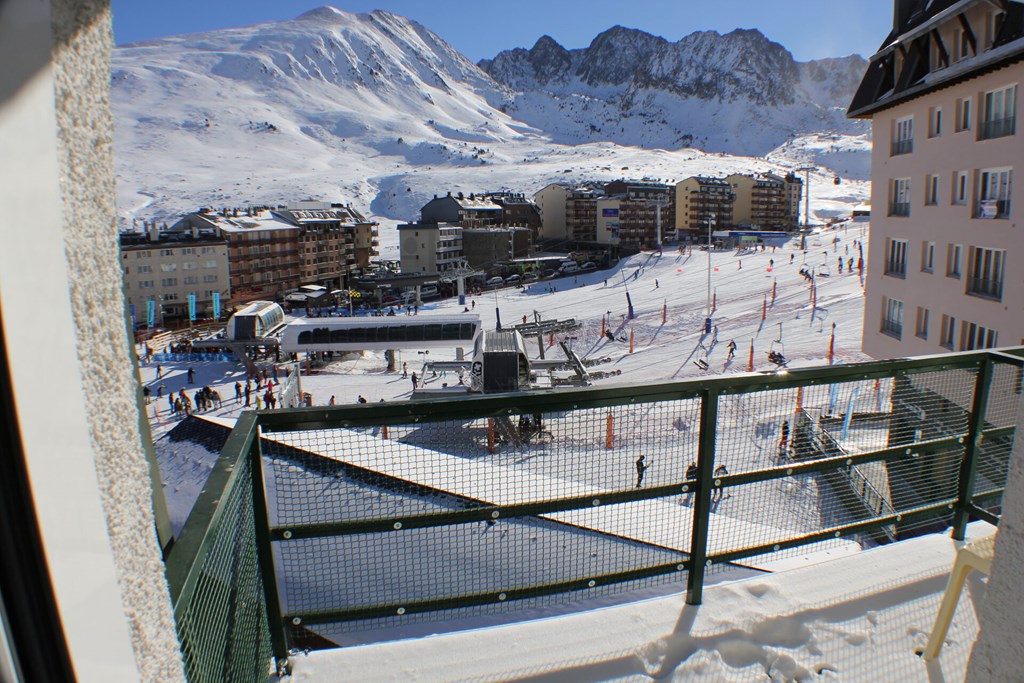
(372,109)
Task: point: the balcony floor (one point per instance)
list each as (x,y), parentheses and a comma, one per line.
(857,618)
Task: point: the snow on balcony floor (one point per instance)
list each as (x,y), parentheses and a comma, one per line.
(857,618)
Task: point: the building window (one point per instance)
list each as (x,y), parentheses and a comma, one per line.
(927,257)
(188,251)
(170,297)
(207,250)
(190,280)
(892,317)
(903,136)
(209,264)
(935,122)
(985,272)
(209,278)
(963,114)
(963,45)
(998,113)
(931,189)
(953,260)
(960,187)
(921,327)
(144,269)
(167,252)
(899,199)
(994,186)
(191,265)
(168,267)
(947,331)
(169,282)
(145,284)
(973,336)
(896,258)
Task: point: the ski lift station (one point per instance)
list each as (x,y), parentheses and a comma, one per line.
(394,333)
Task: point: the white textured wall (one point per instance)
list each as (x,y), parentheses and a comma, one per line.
(63,317)
(997,653)
(81,59)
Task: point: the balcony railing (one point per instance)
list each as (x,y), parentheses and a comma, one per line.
(992,208)
(318,522)
(899,209)
(985,287)
(896,268)
(893,328)
(997,128)
(902,146)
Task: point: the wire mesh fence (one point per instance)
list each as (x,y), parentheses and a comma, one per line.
(409,515)
(216,582)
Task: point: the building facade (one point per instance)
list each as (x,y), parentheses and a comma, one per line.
(768,201)
(700,199)
(430,247)
(944,269)
(165,270)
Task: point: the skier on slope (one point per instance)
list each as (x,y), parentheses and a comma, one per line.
(641,468)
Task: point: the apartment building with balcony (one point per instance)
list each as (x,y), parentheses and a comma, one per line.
(430,247)
(944,271)
(271,251)
(700,199)
(174,275)
(472,211)
(767,201)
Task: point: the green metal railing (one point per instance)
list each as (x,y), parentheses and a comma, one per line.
(354,518)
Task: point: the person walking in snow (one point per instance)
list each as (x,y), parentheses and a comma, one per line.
(655,283)
(784,440)
(732,349)
(159,372)
(238,392)
(641,468)
(405,370)
(248,391)
(191,375)
(415,381)
(716,493)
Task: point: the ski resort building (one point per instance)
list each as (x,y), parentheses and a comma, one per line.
(769,201)
(944,270)
(271,251)
(700,199)
(169,274)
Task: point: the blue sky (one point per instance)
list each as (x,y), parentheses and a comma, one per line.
(810,29)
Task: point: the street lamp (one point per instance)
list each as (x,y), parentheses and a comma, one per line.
(707,320)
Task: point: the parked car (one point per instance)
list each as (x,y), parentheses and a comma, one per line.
(547,274)
(589,265)
(569,269)
(512,280)
(530,277)
(495,281)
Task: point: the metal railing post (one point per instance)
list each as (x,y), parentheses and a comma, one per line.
(261,519)
(702,496)
(975,425)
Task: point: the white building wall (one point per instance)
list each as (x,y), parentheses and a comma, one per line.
(551,204)
(79,428)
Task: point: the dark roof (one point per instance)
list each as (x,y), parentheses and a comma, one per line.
(913,36)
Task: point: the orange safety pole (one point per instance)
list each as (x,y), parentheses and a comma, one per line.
(551,339)
(631,341)
(384,432)
(609,432)
(602,326)
(664,313)
(831,347)
(764,309)
(750,364)
(775,284)
(490,435)
(799,398)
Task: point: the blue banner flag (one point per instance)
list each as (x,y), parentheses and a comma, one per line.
(150,313)
(191,306)
(216,305)
(135,322)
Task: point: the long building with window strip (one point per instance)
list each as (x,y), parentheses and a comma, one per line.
(945,268)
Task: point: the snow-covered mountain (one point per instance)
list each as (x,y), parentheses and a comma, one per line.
(739,93)
(377,110)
